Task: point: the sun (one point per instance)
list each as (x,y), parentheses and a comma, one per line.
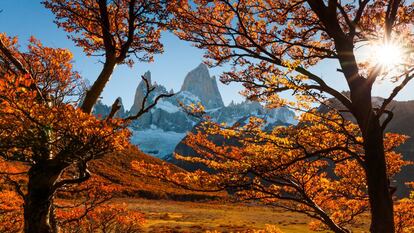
(390,56)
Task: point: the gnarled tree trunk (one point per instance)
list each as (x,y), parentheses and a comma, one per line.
(38,202)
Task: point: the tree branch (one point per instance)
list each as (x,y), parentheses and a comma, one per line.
(114,109)
(84,175)
(394,93)
(144,109)
(12,58)
(390,16)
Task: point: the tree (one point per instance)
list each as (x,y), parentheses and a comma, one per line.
(87,209)
(274,43)
(107,218)
(47,142)
(404,214)
(43,130)
(80,207)
(312,168)
(116,30)
(43,126)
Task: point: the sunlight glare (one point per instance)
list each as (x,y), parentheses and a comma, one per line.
(389,55)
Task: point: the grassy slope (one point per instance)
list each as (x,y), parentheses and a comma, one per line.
(171,209)
(117,168)
(156,200)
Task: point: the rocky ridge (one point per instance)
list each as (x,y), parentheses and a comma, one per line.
(162,129)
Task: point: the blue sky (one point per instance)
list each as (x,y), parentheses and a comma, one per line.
(24,18)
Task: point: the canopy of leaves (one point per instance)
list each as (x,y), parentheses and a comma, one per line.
(38,116)
(116,28)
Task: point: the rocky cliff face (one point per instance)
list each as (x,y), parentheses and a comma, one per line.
(121,112)
(243,111)
(199,83)
(101,110)
(159,131)
(140,93)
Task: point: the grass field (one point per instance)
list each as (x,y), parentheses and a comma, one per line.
(174,216)
(165,213)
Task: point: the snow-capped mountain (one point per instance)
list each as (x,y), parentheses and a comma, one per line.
(162,129)
(199,83)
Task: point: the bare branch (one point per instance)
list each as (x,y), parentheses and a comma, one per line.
(12,58)
(387,120)
(84,175)
(394,93)
(144,109)
(114,109)
(390,16)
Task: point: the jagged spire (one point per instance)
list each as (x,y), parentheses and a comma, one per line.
(140,93)
(199,83)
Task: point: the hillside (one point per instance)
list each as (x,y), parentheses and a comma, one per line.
(403,113)
(402,123)
(117,168)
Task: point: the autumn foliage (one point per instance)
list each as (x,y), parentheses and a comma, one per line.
(404,214)
(45,111)
(79,208)
(46,141)
(327,167)
(314,168)
(106,218)
(274,46)
(121,31)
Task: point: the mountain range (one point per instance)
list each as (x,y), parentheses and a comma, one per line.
(159,131)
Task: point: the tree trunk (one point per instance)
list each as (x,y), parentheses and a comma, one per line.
(95,91)
(38,202)
(381,206)
(382,214)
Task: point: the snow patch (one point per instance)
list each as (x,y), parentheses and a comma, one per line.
(156,142)
(188,97)
(167,106)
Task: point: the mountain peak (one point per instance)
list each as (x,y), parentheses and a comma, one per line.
(140,93)
(147,76)
(199,83)
(202,66)
(121,112)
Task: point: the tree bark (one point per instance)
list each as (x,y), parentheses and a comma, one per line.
(38,202)
(95,91)
(382,214)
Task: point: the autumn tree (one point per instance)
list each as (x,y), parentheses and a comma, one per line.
(115,30)
(43,126)
(274,44)
(404,214)
(88,208)
(84,207)
(107,218)
(313,168)
(43,130)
